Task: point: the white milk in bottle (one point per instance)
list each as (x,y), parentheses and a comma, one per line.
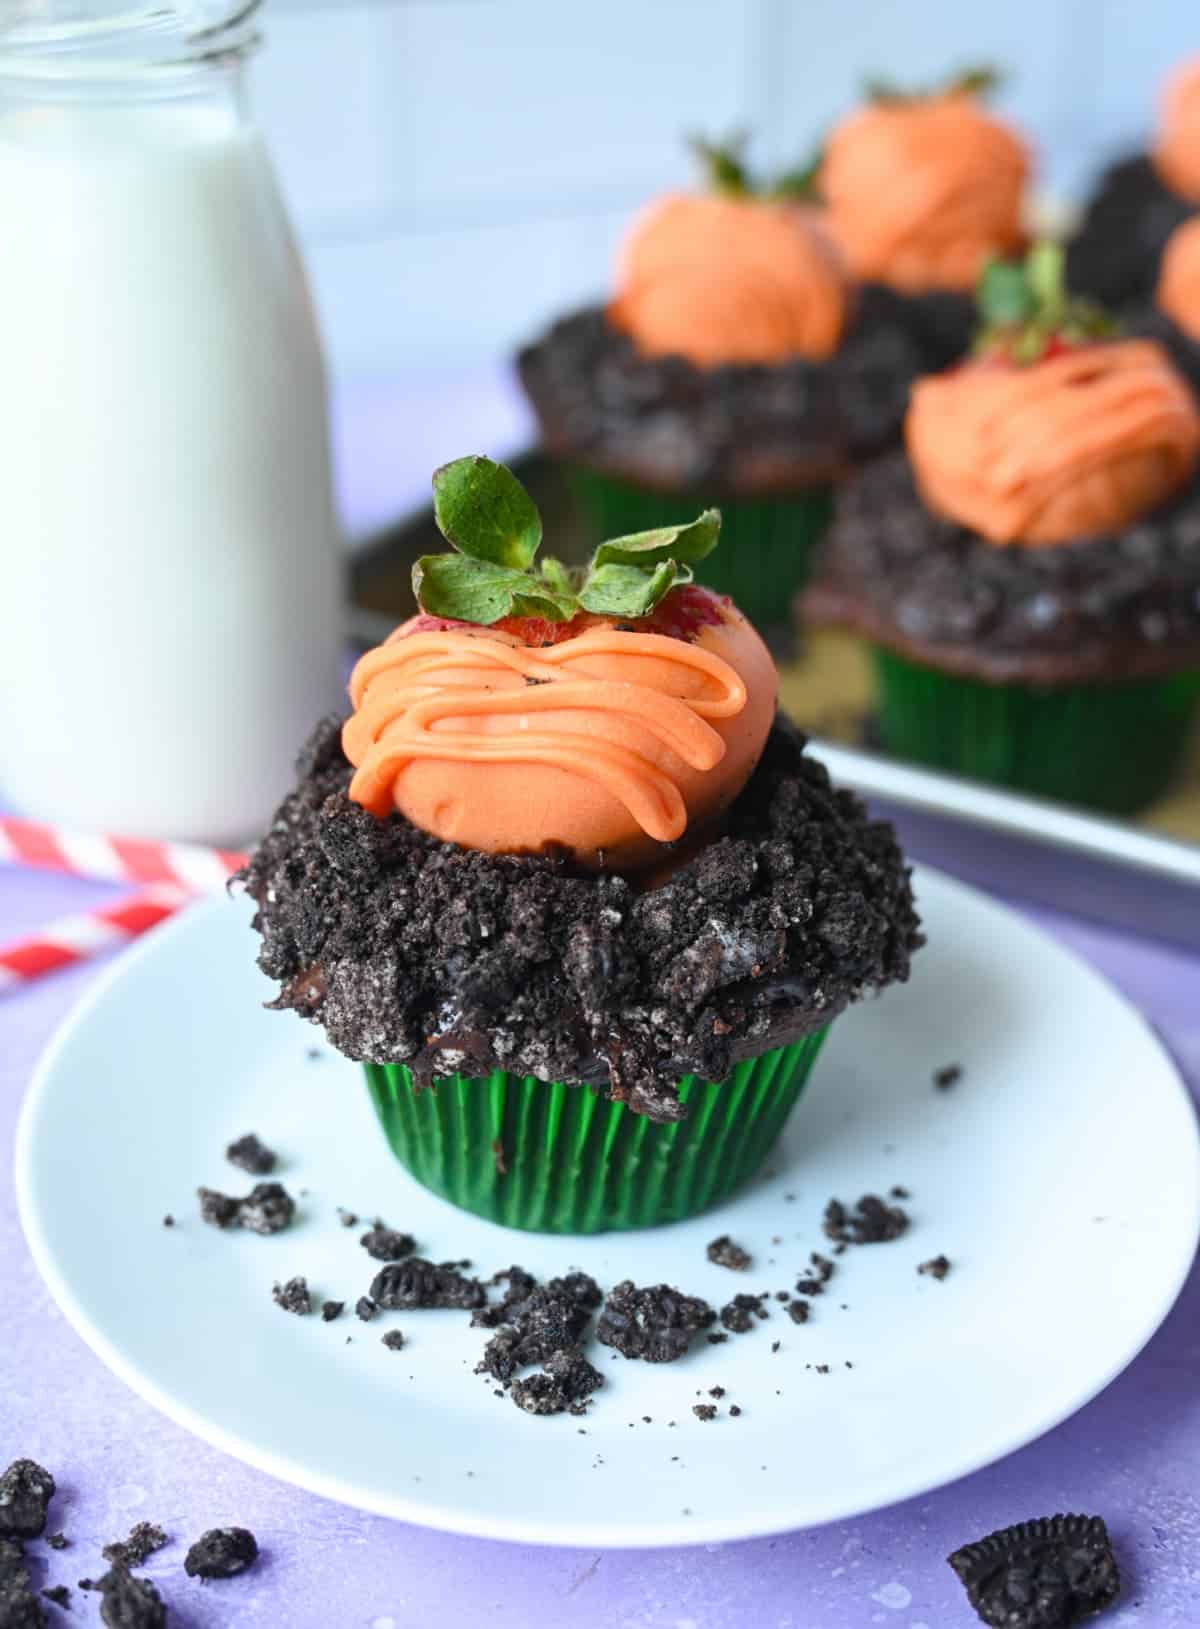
(170,593)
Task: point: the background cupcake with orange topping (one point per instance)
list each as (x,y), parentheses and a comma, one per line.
(921,189)
(1116,256)
(565,883)
(736,363)
(1028,572)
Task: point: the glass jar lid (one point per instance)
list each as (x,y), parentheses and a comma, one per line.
(74,37)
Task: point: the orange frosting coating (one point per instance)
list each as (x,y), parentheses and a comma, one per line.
(1179,277)
(920,194)
(607,744)
(727,279)
(1068,448)
(1177,151)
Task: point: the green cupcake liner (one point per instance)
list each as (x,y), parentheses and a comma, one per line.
(766,543)
(552,1158)
(1112,745)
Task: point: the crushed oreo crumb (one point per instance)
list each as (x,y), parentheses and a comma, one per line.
(1043,1574)
(564,1385)
(936,1267)
(704,1411)
(655,1323)
(718,1339)
(735,1410)
(798,1311)
(293,1296)
(948,1076)
(347,1217)
(739,1314)
(129,1602)
(59,1594)
(407,1286)
(168,1220)
(331,1310)
(222,1552)
(26,1489)
(267,1208)
(410,950)
(518,1286)
(386,1244)
(365,1308)
(898,1192)
(57,1541)
(725,1253)
(550,1318)
(19,1606)
(249,1154)
(145,1538)
(870,1221)
(394,1340)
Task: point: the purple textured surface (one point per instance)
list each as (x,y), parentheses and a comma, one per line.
(1133,1454)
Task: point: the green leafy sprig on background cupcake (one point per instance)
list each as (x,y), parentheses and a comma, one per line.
(495,528)
(1026,312)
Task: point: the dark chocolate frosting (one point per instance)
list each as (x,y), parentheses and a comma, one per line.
(737,430)
(410,950)
(1115,255)
(1103,608)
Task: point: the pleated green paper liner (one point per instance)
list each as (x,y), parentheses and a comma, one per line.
(552,1158)
(766,543)
(1113,746)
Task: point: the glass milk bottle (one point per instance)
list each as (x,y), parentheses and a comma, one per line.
(170,583)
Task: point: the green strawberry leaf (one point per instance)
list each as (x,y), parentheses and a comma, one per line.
(557,575)
(486,513)
(618,590)
(453,585)
(683,544)
(801,183)
(724,167)
(1004,295)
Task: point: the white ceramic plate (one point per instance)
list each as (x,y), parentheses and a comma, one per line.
(1060,1176)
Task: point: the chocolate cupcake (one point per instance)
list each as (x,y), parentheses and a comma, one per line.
(921,189)
(1029,572)
(567,886)
(735,365)
(1139,202)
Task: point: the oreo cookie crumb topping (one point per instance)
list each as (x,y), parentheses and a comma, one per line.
(735,1410)
(168,1221)
(393,1340)
(413,951)
(1125,604)
(735,429)
(871,1221)
(518,1284)
(725,1253)
(59,1594)
(937,1267)
(655,1323)
(704,1411)
(365,1308)
(948,1076)
(899,1193)
(248,1154)
(144,1539)
(222,1552)
(739,1314)
(57,1541)
(1116,254)
(293,1296)
(26,1489)
(347,1217)
(331,1310)
(386,1244)
(267,1208)
(129,1602)
(822,1265)
(717,1339)
(1044,1574)
(798,1311)
(409,1286)
(563,1385)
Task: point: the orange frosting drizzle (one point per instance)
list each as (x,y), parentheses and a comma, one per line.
(921,193)
(1179,278)
(403,691)
(1177,151)
(1068,448)
(730,280)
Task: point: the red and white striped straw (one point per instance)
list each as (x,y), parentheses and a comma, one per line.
(188,866)
(74,939)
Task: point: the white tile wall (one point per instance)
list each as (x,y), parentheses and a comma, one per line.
(460,170)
